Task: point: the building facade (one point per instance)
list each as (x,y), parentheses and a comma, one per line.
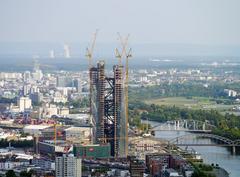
(68,166)
(107,108)
(24,103)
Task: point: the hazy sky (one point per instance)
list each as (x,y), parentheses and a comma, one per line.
(213,22)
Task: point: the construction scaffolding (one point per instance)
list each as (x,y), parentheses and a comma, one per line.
(108,108)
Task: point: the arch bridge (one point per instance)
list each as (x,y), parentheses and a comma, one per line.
(220,141)
(153,143)
(184,125)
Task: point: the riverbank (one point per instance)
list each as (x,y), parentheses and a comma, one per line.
(220,172)
(210,154)
(201,168)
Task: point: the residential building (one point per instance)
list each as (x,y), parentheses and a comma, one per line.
(68,166)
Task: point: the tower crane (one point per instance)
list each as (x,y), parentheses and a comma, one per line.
(124,43)
(89,52)
(55,125)
(128,54)
(89,56)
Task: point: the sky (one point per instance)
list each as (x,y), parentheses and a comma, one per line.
(156,27)
(207,22)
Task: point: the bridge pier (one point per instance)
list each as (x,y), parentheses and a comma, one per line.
(204,126)
(178,125)
(234,150)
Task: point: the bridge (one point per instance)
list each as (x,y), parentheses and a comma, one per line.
(184,125)
(145,144)
(220,141)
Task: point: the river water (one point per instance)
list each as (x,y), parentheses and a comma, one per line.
(210,154)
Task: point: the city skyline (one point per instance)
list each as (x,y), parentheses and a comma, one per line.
(120,88)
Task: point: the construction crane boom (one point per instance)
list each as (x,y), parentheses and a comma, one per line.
(55,125)
(124,43)
(89,52)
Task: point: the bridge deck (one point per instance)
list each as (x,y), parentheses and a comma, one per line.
(182,130)
(221,145)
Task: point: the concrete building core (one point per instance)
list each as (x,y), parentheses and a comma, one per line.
(107,108)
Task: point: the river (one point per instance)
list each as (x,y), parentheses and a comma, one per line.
(210,154)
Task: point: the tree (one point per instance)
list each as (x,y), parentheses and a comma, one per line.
(26,174)
(10,173)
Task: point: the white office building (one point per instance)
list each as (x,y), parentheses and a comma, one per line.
(24,103)
(68,166)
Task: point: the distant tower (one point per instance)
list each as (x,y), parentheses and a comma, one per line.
(37,72)
(52,54)
(26,76)
(66,51)
(35,65)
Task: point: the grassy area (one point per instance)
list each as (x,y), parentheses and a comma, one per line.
(191,103)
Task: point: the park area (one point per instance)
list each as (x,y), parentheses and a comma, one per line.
(191,103)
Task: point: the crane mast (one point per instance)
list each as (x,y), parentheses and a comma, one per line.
(127,56)
(89,56)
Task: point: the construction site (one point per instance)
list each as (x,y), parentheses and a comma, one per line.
(109,102)
(104,130)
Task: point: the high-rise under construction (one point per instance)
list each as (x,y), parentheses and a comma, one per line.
(108,108)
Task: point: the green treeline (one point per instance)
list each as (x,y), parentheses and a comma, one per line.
(17,144)
(7,100)
(203,170)
(188,89)
(227,125)
(11,173)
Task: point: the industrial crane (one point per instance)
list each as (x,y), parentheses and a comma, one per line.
(127,56)
(124,43)
(89,55)
(55,125)
(89,52)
